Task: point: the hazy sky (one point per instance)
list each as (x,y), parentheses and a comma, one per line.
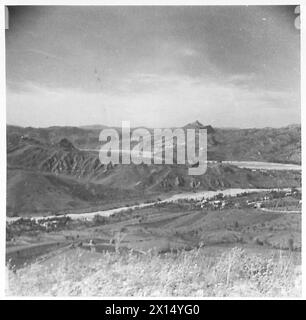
(236,66)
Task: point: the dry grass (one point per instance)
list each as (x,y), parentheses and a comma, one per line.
(233,273)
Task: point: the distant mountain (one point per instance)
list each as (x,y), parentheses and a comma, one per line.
(66,145)
(266,144)
(79,137)
(194,125)
(59,158)
(198,125)
(94,127)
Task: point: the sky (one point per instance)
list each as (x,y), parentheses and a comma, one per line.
(155,66)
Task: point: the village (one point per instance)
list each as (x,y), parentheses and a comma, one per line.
(261,201)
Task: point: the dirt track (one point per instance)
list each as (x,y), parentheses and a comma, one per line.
(281,211)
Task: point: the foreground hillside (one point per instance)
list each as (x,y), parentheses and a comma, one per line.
(236,272)
(226,245)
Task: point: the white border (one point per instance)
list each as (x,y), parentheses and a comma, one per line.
(3,128)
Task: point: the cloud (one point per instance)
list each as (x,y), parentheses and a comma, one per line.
(45,54)
(154,100)
(188,52)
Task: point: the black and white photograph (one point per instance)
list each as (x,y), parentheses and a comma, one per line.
(153,151)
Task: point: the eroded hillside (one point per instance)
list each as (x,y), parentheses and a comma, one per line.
(56,176)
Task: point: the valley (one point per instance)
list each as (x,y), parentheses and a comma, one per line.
(62,203)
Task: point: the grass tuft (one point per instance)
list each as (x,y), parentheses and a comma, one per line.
(193,274)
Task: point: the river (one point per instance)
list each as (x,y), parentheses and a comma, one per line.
(254,165)
(187,195)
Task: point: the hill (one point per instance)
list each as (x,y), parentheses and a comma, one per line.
(31,193)
(48,171)
(198,125)
(57,177)
(267,144)
(66,160)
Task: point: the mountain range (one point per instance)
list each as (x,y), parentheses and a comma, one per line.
(52,170)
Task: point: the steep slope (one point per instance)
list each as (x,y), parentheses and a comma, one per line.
(31,193)
(198,125)
(267,144)
(59,158)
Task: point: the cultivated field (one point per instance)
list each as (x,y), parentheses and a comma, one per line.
(191,247)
